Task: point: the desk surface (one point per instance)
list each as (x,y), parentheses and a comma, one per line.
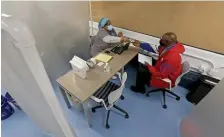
(82,89)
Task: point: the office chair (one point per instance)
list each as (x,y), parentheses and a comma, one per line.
(108,95)
(185,69)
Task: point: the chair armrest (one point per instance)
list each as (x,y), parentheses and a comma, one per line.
(99,101)
(167,81)
(164,79)
(119,75)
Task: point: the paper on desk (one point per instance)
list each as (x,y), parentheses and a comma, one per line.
(100,64)
(131,44)
(143,58)
(103,57)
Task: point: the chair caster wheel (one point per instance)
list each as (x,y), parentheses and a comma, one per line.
(164,106)
(122,97)
(107,126)
(178,98)
(147,95)
(93,110)
(126,116)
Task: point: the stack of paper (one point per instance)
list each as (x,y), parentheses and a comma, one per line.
(103,57)
(143,58)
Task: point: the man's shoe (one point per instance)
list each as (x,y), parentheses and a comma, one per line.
(142,91)
(134,89)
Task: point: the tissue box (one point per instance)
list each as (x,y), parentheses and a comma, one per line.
(79,67)
(79,72)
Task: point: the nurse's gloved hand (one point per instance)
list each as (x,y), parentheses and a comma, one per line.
(123,39)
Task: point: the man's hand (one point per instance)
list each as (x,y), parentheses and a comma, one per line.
(136,43)
(146,63)
(120,34)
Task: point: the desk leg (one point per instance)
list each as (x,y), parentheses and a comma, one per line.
(122,72)
(88,113)
(63,92)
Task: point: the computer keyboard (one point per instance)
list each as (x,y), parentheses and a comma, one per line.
(117,50)
(120,48)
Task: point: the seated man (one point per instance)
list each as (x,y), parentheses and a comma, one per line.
(168,65)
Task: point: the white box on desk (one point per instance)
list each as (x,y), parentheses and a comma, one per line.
(79,67)
(143,58)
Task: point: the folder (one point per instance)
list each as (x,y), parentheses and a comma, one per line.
(103,57)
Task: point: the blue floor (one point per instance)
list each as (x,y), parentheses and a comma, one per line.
(147,117)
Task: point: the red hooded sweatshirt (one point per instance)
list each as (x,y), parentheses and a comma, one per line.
(168,66)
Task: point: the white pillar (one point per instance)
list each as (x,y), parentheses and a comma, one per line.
(24,77)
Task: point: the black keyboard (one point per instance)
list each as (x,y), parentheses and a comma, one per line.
(120,48)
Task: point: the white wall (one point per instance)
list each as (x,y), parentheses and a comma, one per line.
(60,29)
(19,80)
(199,59)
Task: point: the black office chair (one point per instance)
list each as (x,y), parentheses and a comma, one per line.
(185,69)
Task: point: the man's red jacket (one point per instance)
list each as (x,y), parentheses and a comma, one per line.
(168,66)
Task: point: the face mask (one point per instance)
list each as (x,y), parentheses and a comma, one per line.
(110,27)
(161,42)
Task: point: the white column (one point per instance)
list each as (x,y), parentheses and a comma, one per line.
(24,77)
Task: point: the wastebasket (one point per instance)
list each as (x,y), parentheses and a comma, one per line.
(10,99)
(7,109)
(76,103)
(205,86)
(190,81)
